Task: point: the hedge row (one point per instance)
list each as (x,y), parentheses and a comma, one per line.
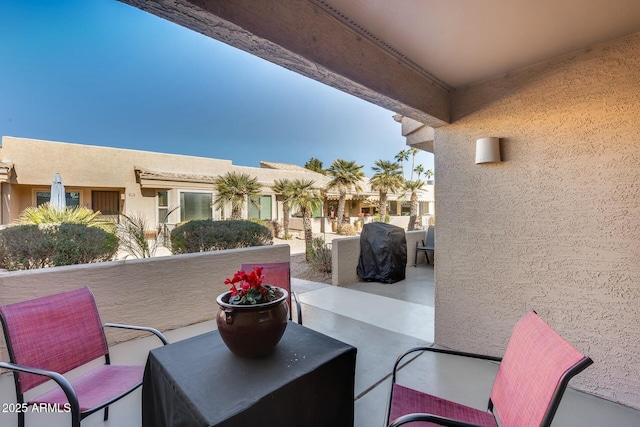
(208,235)
(25,247)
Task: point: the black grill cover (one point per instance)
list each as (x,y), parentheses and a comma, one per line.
(383,253)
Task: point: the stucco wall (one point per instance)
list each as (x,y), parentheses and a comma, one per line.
(165,293)
(555,226)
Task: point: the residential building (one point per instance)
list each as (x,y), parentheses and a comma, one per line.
(163,188)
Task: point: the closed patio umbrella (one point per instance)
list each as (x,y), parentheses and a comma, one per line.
(58,199)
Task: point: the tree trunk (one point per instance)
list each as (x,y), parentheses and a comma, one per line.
(383,206)
(413,215)
(236,213)
(341,203)
(285,219)
(308,234)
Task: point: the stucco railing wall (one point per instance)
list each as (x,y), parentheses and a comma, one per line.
(346,251)
(165,293)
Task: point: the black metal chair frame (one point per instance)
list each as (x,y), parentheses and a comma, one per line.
(428,247)
(551,410)
(76,414)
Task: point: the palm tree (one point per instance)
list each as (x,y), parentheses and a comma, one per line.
(306,198)
(429,174)
(235,188)
(48,214)
(412,152)
(413,187)
(387,178)
(402,157)
(345,176)
(283,187)
(419,170)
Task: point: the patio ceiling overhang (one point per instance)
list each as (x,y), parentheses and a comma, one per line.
(408,57)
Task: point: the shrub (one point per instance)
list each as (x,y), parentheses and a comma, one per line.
(46,214)
(136,238)
(208,235)
(348,230)
(387,218)
(273,226)
(320,258)
(25,247)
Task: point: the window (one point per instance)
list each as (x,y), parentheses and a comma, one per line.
(317,212)
(163,207)
(42,197)
(393,208)
(405,208)
(195,206)
(264,210)
(107,202)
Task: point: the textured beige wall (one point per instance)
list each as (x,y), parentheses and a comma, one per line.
(165,293)
(555,227)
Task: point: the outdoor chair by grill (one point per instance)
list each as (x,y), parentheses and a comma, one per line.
(532,377)
(278,274)
(426,246)
(48,337)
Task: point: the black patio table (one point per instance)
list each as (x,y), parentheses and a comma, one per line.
(307,381)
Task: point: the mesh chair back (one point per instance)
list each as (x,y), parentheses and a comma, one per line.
(58,333)
(430,242)
(533,374)
(276,274)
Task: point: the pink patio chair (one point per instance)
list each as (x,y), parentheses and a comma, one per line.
(278,274)
(532,377)
(48,337)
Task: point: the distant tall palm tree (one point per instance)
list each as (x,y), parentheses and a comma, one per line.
(419,170)
(387,178)
(402,157)
(235,188)
(306,198)
(413,187)
(283,187)
(412,152)
(429,174)
(345,176)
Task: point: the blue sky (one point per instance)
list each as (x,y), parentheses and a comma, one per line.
(100,72)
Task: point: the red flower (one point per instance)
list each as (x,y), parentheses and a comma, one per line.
(251,290)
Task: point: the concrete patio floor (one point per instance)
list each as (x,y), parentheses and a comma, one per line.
(381,320)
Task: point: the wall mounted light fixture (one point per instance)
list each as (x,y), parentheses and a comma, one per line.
(488,150)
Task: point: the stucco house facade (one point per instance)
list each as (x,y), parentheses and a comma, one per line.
(163,188)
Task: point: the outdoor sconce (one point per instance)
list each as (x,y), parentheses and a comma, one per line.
(488,150)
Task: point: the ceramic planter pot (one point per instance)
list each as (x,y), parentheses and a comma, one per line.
(252,330)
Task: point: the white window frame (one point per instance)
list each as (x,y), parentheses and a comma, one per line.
(215,213)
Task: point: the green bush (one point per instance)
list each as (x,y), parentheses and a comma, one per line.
(320,258)
(208,235)
(273,226)
(25,247)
